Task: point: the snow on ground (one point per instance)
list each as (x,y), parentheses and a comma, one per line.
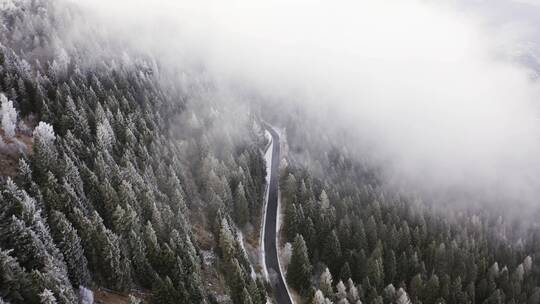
(268,159)
(240,238)
(279,250)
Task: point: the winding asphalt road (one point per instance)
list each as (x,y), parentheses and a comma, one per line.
(270,227)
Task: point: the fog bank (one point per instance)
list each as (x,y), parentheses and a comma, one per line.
(424,84)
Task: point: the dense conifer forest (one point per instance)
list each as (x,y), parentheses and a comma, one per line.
(117,171)
(122,175)
(354,240)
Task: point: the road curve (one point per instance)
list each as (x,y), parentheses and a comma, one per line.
(271,261)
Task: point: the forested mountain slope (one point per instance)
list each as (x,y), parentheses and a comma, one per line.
(353,239)
(121,173)
(117,171)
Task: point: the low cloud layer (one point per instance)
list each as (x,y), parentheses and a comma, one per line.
(423,84)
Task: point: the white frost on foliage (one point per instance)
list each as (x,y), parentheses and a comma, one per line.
(44,132)
(494,270)
(319,298)
(105,134)
(8,115)
(341,290)
(47,297)
(402,297)
(7,5)
(390,290)
(520,272)
(527,264)
(353,291)
(325,202)
(194,121)
(325,282)
(240,239)
(134,300)
(268,157)
(475,220)
(286,254)
(86,296)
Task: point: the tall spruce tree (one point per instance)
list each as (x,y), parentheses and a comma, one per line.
(69,244)
(299,270)
(241,206)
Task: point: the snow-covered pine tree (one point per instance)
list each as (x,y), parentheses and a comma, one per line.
(69,243)
(47,297)
(8,115)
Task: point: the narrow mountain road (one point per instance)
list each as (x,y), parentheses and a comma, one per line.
(270,252)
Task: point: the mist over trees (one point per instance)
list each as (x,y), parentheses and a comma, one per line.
(122,173)
(120,167)
(365,242)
